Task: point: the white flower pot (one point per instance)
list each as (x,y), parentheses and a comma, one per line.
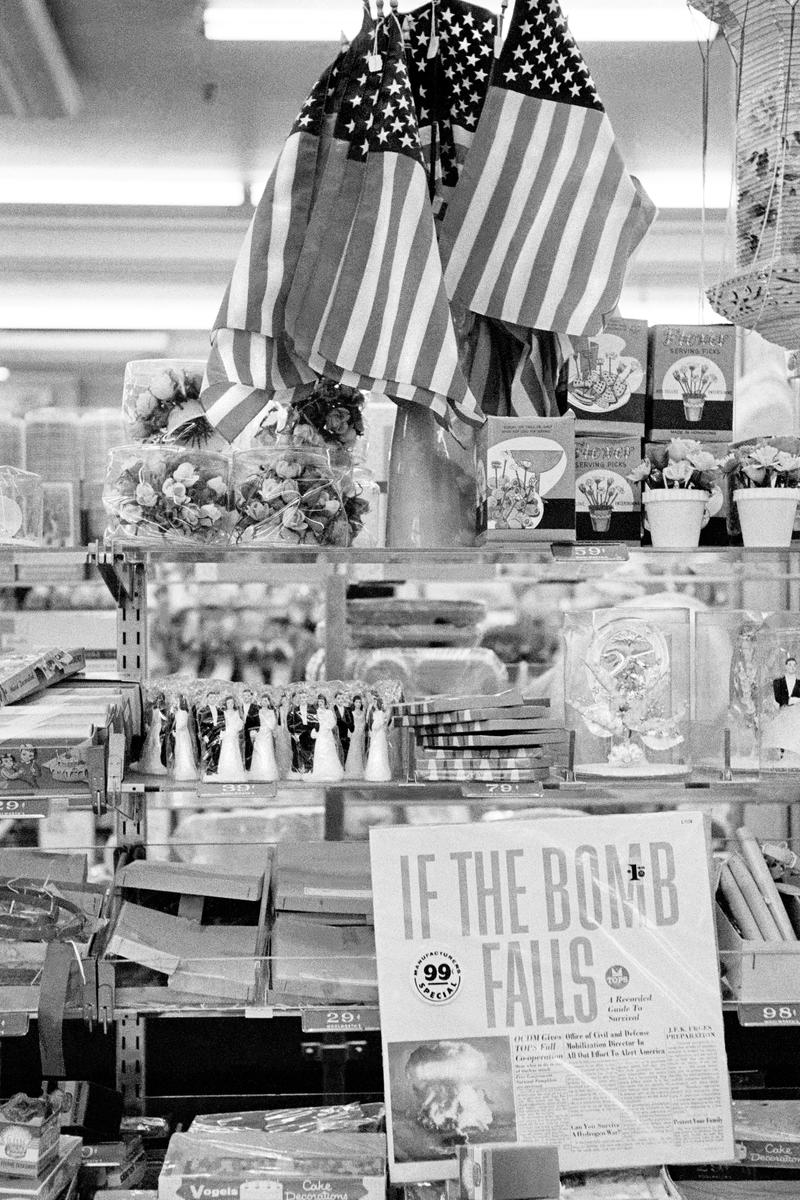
(766,515)
(675,516)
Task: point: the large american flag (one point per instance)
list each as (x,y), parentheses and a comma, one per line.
(545,217)
(373,311)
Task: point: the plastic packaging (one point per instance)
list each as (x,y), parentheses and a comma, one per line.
(290,496)
(357,1117)
(158,394)
(160,494)
(21,507)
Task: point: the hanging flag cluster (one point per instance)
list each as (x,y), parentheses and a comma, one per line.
(341,274)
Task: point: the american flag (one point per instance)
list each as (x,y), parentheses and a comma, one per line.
(545,217)
(373,312)
(449,53)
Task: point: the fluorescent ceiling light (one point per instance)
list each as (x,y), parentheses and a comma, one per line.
(151,189)
(324,21)
(100,341)
(684,189)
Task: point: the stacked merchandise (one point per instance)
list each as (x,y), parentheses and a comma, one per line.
(53,451)
(391,622)
(45,898)
(196,930)
(304,1155)
(224,732)
(25,674)
(35,1161)
(605,389)
(322,949)
(690,398)
(56,742)
(500,738)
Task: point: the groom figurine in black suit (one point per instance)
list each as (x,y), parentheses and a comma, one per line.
(786,688)
(344,722)
(300,722)
(252,723)
(210,723)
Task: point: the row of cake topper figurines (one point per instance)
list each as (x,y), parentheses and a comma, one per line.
(231,733)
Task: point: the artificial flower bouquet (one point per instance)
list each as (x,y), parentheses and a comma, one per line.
(158,395)
(168,493)
(330,416)
(682,463)
(764,463)
(291,496)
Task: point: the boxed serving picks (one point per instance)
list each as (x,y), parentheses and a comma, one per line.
(525,472)
(691,380)
(606,383)
(608,503)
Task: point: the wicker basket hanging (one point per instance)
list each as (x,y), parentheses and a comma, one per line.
(764,291)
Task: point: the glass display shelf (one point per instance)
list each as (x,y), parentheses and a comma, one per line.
(29,566)
(556,563)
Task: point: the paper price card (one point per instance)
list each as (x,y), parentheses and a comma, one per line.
(552,982)
(590,551)
(340,1019)
(24,808)
(769,1014)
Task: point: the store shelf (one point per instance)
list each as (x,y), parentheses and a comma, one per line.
(22,566)
(552,564)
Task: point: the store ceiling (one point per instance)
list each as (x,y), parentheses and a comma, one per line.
(156,95)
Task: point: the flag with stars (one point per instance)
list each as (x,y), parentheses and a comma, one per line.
(449,54)
(545,217)
(372,310)
(252,360)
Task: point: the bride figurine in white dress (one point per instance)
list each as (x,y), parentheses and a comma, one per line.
(263,764)
(231,766)
(327,764)
(378,768)
(184,761)
(150,759)
(354,764)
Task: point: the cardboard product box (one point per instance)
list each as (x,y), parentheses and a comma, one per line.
(525,469)
(329,963)
(716,532)
(322,877)
(608,506)
(46,759)
(28,1145)
(24,675)
(51,1185)
(508,1172)
(607,384)
(767,1133)
(113,1165)
(90,1109)
(691,381)
(246,1163)
(190,880)
(107,685)
(758,972)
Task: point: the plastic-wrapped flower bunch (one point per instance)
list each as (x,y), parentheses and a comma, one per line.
(168,493)
(325,424)
(330,416)
(158,395)
(295,497)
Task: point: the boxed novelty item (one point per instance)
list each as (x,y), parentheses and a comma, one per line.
(113,1165)
(691,381)
(525,470)
(508,1172)
(606,383)
(756,972)
(243,1163)
(608,503)
(767,1133)
(43,755)
(25,674)
(323,877)
(28,1135)
(51,1184)
(89,1109)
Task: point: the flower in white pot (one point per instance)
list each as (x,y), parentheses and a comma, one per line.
(765,478)
(680,492)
